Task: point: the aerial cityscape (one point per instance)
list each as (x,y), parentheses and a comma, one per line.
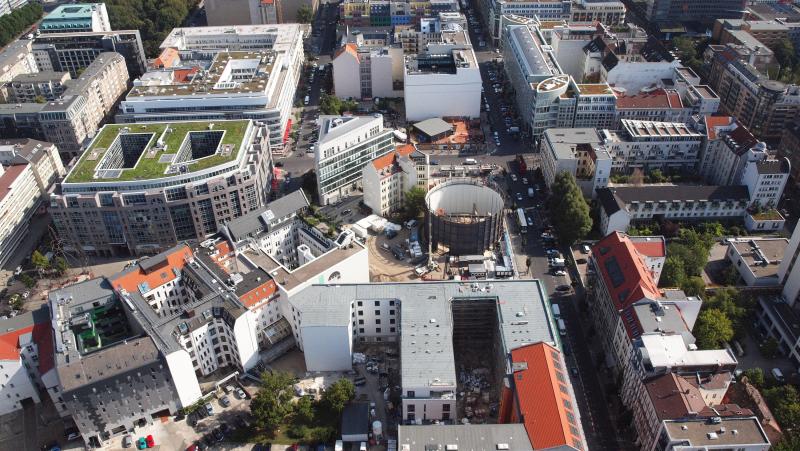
(392,225)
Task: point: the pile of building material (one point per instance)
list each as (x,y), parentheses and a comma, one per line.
(476,393)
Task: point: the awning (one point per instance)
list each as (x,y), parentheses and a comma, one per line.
(287,131)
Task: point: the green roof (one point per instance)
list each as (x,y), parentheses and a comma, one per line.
(151,166)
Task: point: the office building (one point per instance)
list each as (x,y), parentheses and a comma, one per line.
(578,151)
(76,17)
(346,144)
(545,10)
(256,12)
(73,52)
(388,178)
(379,13)
(767,32)
(672,11)
(73,118)
(607,12)
(444,80)
(757,259)
(157,184)
(248,72)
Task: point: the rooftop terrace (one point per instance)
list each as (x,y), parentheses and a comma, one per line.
(125,152)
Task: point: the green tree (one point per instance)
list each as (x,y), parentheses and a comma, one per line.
(712,329)
(329,104)
(61,265)
(785,55)
(673,273)
(39,261)
(304,410)
(656,176)
(309,185)
(27,280)
(16,302)
(755,376)
(789,442)
(338,395)
(694,286)
(687,51)
(272,405)
(571,216)
(784,402)
(414,202)
(39,99)
(770,348)
(153,19)
(304,14)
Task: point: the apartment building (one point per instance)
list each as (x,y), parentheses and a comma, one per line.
(73,52)
(381,13)
(76,17)
(765,180)
(364,72)
(762,105)
(727,149)
(578,151)
(444,80)
(74,117)
(546,10)
(27,353)
(789,147)
(621,206)
(38,87)
(386,179)
(659,105)
(608,12)
(649,145)
(16,59)
(767,32)
(346,144)
(139,189)
(241,72)
(546,97)
(714,434)
(670,11)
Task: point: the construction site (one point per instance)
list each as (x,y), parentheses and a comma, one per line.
(464,215)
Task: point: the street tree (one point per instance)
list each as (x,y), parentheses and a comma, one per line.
(304,14)
(755,376)
(712,329)
(571,216)
(414,202)
(304,410)
(39,261)
(784,401)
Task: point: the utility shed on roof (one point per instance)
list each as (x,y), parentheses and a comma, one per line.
(434,128)
(355,422)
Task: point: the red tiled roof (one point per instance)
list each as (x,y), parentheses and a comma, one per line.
(712,122)
(403,150)
(184,75)
(540,399)
(674,397)
(623,270)
(259,293)
(653,248)
(659,98)
(41,334)
(11,173)
(130,280)
(168,58)
(9,343)
(349,48)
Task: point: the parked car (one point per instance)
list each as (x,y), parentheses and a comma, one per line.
(127,441)
(563,288)
(209,409)
(150,441)
(71,434)
(240,393)
(225,401)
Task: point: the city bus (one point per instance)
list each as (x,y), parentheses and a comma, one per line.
(521,221)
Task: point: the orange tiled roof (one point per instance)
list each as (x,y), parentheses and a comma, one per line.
(625,275)
(654,248)
(712,122)
(349,48)
(659,98)
(540,398)
(259,293)
(41,334)
(168,58)
(403,150)
(131,279)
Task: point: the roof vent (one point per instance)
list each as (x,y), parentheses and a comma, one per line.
(433,320)
(502,446)
(712,436)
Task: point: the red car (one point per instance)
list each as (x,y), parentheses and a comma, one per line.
(150,442)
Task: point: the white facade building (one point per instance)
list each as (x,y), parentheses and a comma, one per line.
(76,17)
(578,151)
(766,179)
(388,178)
(648,145)
(368,72)
(346,144)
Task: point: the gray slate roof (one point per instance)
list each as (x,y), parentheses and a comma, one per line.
(433,126)
(254,220)
(472,437)
(614,199)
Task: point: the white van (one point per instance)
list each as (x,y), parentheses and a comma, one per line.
(556,310)
(777,374)
(470,161)
(562,328)
(306,100)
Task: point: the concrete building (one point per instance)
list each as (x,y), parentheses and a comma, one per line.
(620,206)
(545,96)
(727,149)
(649,145)
(767,32)
(608,12)
(789,147)
(671,11)
(256,12)
(16,59)
(75,51)
(387,178)
(545,10)
(472,436)
(713,435)
(346,144)
(765,180)
(248,72)
(757,259)
(444,80)
(74,117)
(76,17)
(26,354)
(578,151)
(8,6)
(788,272)
(160,183)
(766,107)
(39,86)
(364,72)
(379,13)
(660,105)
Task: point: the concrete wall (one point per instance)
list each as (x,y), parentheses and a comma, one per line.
(15,386)
(184,378)
(438,95)
(346,76)
(327,348)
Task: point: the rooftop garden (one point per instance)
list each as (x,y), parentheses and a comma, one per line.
(151,166)
(767,215)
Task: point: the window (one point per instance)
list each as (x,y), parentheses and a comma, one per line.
(361,321)
(412,408)
(361,330)
(377,303)
(378,321)
(377,330)
(360,303)
(445,407)
(377,312)
(411,394)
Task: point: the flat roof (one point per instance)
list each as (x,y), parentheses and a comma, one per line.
(434,126)
(761,255)
(154,160)
(470,437)
(332,127)
(530,44)
(229,72)
(738,431)
(672,351)
(656,129)
(564,141)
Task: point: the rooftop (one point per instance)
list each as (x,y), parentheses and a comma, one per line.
(8,178)
(270,216)
(537,56)
(616,198)
(655,318)
(660,98)
(334,127)
(24,328)
(390,158)
(471,437)
(74,15)
(433,126)
(565,141)
(627,278)
(124,152)
(228,73)
(674,397)
(761,255)
(654,129)
(700,433)
(661,351)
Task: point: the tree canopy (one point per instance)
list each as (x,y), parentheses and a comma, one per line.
(304,14)
(11,25)
(154,19)
(338,395)
(414,202)
(570,215)
(272,405)
(330,104)
(713,329)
